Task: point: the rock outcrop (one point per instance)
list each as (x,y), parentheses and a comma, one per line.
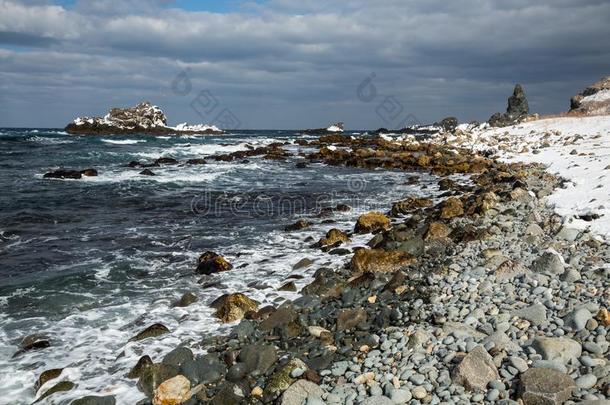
(331,129)
(144,118)
(517,110)
(594,100)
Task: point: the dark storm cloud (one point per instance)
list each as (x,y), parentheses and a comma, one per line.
(288,63)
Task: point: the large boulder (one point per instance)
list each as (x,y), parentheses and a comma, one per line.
(154,375)
(233,307)
(379,261)
(299,391)
(545,386)
(174,391)
(476,370)
(452,207)
(333,237)
(258,358)
(593,100)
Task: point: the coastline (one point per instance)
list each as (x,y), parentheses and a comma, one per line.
(362,333)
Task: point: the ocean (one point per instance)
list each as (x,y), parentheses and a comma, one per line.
(89,263)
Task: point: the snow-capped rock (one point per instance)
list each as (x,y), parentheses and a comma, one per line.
(144,118)
(594,100)
(338,127)
(331,129)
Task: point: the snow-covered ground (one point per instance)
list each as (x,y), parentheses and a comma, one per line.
(575,148)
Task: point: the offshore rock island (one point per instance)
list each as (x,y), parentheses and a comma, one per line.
(143,119)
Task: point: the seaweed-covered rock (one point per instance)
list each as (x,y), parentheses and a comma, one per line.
(333,237)
(155,374)
(61,386)
(379,261)
(282,380)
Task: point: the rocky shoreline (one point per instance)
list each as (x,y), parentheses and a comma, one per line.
(483,297)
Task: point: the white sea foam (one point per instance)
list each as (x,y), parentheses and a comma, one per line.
(123,141)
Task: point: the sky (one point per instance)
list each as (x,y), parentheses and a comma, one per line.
(294,64)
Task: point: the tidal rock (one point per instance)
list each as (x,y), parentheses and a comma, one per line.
(561,350)
(137,370)
(372,222)
(544,386)
(94,400)
(179,356)
(299,225)
(61,386)
(476,370)
(147,172)
(47,375)
(302,264)
(233,307)
(334,237)
(64,174)
(187,299)
(153,330)
(379,261)
(154,375)
(174,391)
(300,391)
(204,369)
(211,263)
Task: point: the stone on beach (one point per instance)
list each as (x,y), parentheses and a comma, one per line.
(476,370)
(544,386)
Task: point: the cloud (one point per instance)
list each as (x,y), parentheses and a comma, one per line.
(288,63)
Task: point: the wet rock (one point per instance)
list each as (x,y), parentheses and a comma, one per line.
(196,162)
(147,172)
(334,237)
(174,391)
(371,222)
(476,370)
(153,330)
(350,318)
(47,375)
(32,342)
(187,299)
(229,394)
(544,386)
(165,161)
(64,174)
(94,400)
(155,374)
(300,391)
(61,386)
(258,358)
(211,263)
(237,372)
(379,261)
(299,225)
(302,264)
(561,350)
(89,172)
(233,307)
(289,286)
(137,370)
(452,207)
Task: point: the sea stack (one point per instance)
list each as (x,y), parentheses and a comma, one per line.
(517,110)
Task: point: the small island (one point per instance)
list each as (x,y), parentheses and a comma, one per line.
(143,119)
